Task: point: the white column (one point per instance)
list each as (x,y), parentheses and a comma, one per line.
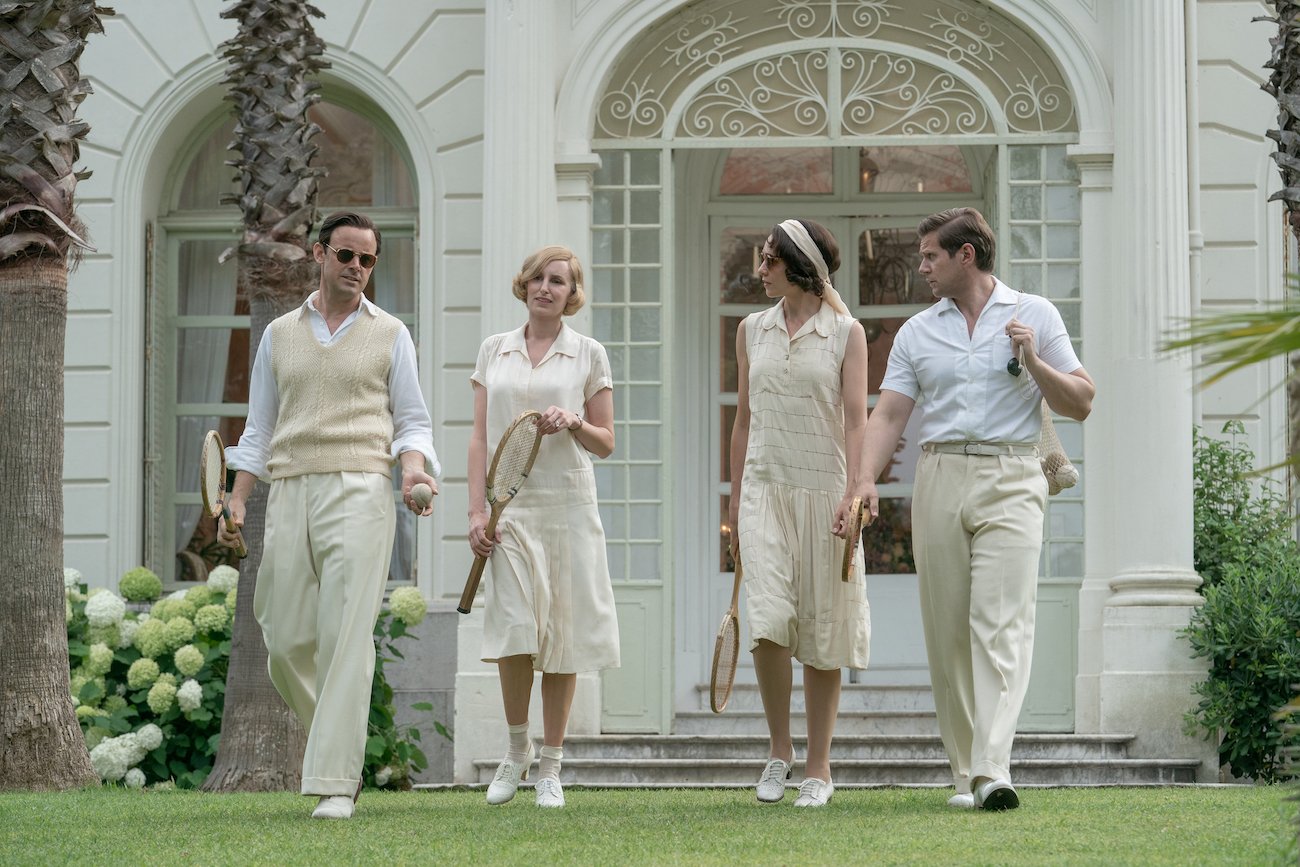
(574,173)
(1145,404)
(1095,160)
(519,205)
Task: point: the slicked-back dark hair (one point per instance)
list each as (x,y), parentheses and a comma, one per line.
(799,269)
(347,218)
(958,227)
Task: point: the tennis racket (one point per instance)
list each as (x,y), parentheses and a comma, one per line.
(852,538)
(511,464)
(212,484)
(726,649)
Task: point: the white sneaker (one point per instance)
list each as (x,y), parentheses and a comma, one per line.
(996,795)
(814,793)
(549,792)
(771,786)
(333,807)
(509,773)
(962,801)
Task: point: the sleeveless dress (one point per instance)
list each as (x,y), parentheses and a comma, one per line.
(547,583)
(795,476)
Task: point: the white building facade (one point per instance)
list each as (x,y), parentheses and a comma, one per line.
(1117,148)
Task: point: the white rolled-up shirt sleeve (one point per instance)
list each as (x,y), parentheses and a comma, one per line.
(412,427)
(253,451)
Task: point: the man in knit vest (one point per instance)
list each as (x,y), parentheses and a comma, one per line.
(334,402)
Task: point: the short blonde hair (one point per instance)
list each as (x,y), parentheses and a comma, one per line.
(536,263)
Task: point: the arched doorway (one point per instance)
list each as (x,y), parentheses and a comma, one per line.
(725,118)
(198,322)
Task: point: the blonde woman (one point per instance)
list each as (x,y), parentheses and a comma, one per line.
(550,604)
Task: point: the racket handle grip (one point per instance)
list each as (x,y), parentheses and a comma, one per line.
(471,585)
(476,571)
(241,551)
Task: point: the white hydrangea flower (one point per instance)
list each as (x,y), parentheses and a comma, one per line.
(71,578)
(383,775)
(408,605)
(190,695)
(223,579)
(132,747)
(150,737)
(99,660)
(134,779)
(105,609)
(110,759)
(176,594)
(188,660)
(126,632)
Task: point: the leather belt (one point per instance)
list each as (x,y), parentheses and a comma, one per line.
(987,449)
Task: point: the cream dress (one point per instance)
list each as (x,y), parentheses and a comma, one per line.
(795,476)
(547,585)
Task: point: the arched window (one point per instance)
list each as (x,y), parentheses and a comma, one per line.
(198,319)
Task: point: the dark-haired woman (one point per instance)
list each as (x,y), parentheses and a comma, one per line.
(795,457)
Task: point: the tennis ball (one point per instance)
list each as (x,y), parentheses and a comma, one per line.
(422,494)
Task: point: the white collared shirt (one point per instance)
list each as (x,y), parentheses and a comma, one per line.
(960,381)
(412,427)
(573,370)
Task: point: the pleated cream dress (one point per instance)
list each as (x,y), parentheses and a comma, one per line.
(547,583)
(795,475)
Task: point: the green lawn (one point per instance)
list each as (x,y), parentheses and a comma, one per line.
(882,826)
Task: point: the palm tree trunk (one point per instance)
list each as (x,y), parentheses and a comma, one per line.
(41,746)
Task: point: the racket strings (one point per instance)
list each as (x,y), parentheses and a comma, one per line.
(724,673)
(212,480)
(513,462)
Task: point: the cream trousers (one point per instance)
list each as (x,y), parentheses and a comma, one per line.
(977,529)
(325,566)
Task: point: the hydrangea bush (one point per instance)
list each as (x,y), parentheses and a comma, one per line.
(148,679)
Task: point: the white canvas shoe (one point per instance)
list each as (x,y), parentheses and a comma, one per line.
(814,793)
(549,792)
(771,785)
(509,773)
(333,807)
(962,801)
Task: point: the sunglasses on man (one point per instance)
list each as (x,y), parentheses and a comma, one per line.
(366,260)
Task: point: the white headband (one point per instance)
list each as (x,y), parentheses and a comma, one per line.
(797,233)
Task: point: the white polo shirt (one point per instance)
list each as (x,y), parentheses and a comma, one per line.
(960,381)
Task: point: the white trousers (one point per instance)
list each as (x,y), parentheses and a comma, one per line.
(977,529)
(329,537)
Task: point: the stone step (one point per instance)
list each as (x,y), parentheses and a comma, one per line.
(735,721)
(668,773)
(709,747)
(854,697)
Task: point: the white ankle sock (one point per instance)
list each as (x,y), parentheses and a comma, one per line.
(518,750)
(549,766)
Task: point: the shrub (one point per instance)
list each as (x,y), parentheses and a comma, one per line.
(149,688)
(1248,630)
(1234,510)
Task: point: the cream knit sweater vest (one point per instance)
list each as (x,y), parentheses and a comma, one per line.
(334,414)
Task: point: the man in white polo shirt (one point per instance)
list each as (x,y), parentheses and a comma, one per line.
(977,363)
(334,403)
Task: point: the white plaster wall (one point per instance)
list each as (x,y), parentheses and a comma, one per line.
(1242,259)
(156,75)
